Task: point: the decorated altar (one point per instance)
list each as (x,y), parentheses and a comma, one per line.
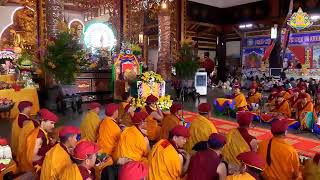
(125,69)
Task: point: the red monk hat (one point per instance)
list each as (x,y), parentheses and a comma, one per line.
(151,99)
(279,126)
(111,108)
(274,91)
(244,118)
(138,117)
(24,104)
(217,140)
(133,170)
(68,130)
(252,159)
(3,141)
(175,108)
(46,115)
(94,105)
(84,149)
(204,108)
(180,130)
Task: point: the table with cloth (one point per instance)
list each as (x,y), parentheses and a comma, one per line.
(221,105)
(26,94)
(8,78)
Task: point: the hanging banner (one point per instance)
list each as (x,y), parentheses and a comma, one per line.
(294,39)
(300,20)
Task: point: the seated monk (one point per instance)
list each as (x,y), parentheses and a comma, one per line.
(286,95)
(171,120)
(200,127)
(155,116)
(239,140)
(23,117)
(133,143)
(125,111)
(281,109)
(304,108)
(59,156)
(293,101)
(38,141)
(239,98)
(271,100)
(282,160)
(311,168)
(85,156)
(133,170)
(252,165)
(254,98)
(90,123)
(303,92)
(152,108)
(109,130)
(167,159)
(207,164)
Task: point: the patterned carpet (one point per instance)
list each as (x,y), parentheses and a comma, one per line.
(305,146)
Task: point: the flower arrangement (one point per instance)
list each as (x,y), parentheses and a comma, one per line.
(165,103)
(150,77)
(136,50)
(5,104)
(138,102)
(64,58)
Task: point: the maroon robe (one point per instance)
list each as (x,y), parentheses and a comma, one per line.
(246,136)
(203,166)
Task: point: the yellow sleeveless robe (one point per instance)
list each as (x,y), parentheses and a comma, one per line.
(131,145)
(15,130)
(108,136)
(164,162)
(72,172)
(23,163)
(89,126)
(234,146)
(200,130)
(168,123)
(56,160)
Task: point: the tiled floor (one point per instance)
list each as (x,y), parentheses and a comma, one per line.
(75,118)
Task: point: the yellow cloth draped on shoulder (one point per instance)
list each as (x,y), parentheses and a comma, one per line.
(23,162)
(241,102)
(131,145)
(234,146)
(164,162)
(242,176)
(200,130)
(153,129)
(168,123)
(108,136)
(89,126)
(72,172)
(31,143)
(15,130)
(56,160)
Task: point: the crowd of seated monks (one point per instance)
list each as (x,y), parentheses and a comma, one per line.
(295,105)
(132,143)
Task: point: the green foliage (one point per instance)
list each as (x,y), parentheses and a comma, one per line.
(25,59)
(187,66)
(64,58)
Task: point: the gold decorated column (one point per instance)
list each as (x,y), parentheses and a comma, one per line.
(55,14)
(164,54)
